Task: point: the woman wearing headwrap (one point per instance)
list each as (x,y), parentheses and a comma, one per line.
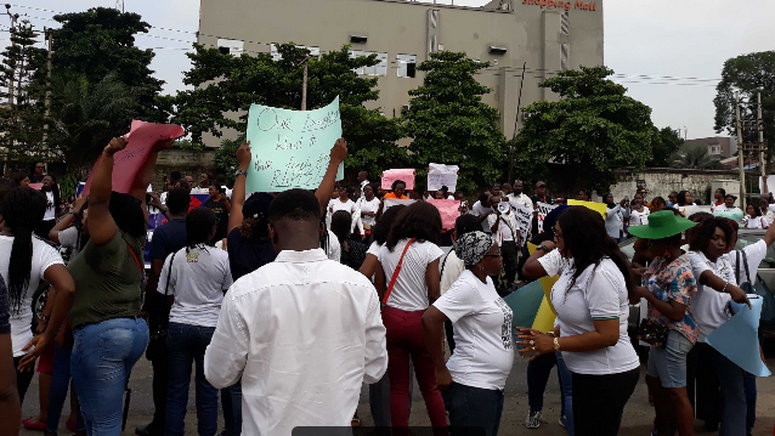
(474,377)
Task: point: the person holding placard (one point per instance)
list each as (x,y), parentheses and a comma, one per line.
(398,191)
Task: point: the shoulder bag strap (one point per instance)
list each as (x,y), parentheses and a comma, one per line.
(396,271)
(137,261)
(169,275)
(737,266)
(444,262)
(747,271)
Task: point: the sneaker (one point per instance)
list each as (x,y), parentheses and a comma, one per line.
(533,420)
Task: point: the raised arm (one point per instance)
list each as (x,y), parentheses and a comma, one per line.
(326,187)
(238,193)
(67,220)
(100,224)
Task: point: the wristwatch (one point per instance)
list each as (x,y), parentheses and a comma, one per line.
(543,248)
(240,173)
(556,343)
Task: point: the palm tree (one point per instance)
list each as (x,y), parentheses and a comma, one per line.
(694,157)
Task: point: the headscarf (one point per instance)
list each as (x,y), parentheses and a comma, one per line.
(472,246)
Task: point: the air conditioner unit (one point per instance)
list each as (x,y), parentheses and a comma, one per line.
(498,50)
(358,39)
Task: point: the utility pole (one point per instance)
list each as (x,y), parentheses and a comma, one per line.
(760,127)
(740,151)
(304,85)
(13,18)
(49,65)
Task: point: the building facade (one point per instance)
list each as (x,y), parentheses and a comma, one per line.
(719,147)
(525,41)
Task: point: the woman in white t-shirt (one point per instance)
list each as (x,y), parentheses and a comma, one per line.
(196,278)
(407,281)
(476,374)
(25,262)
(368,205)
(754,219)
(343,202)
(592,304)
(639,213)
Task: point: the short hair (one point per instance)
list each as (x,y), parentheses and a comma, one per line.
(722,191)
(199,225)
(296,205)
(467,223)
(381,230)
(175,176)
(396,183)
(178,201)
(127,214)
(700,236)
(341,222)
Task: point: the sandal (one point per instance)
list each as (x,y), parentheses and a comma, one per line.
(33,423)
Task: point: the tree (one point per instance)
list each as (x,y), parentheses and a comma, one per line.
(448,122)
(668,143)
(225,86)
(100,42)
(592,129)
(694,157)
(23,67)
(743,77)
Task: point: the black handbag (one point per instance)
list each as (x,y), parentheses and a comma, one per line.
(653,332)
(157,344)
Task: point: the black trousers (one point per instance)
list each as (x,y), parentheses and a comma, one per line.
(510,255)
(23,378)
(599,400)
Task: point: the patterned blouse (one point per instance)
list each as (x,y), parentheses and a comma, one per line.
(674,281)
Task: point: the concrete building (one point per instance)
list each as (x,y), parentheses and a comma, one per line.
(541,36)
(719,147)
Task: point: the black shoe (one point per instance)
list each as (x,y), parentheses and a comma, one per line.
(148,430)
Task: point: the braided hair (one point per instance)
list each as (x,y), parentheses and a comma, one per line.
(22,211)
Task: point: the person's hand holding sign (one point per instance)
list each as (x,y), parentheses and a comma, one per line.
(243,156)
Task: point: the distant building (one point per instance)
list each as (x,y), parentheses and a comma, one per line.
(543,36)
(719,147)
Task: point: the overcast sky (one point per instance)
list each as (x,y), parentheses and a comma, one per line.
(685,39)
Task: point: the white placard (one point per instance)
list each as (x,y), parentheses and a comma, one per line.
(442,175)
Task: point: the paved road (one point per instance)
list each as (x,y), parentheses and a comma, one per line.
(637,416)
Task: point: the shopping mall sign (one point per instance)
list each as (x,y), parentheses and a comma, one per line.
(562,4)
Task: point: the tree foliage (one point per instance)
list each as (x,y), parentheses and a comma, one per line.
(22,119)
(592,129)
(696,157)
(742,77)
(448,122)
(225,86)
(669,142)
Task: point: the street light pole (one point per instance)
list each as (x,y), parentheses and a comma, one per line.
(13,18)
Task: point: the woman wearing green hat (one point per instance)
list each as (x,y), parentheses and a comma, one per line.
(668,286)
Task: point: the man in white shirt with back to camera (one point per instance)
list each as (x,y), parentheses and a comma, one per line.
(303,332)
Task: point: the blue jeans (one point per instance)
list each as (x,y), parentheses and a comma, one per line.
(186,345)
(473,411)
(103,356)
(60,384)
(566,388)
(231,403)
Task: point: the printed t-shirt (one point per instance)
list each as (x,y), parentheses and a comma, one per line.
(221,217)
(599,293)
(199,278)
(484,353)
(676,282)
(43,256)
(410,292)
(107,280)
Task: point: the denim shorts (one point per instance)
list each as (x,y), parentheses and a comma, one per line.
(669,363)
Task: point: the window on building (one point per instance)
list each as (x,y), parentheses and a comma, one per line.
(380,69)
(714,149)
(276,56)
(231,46)
(407,64)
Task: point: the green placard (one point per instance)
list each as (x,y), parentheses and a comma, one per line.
(291,148)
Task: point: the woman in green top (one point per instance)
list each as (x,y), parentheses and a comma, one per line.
(110,336)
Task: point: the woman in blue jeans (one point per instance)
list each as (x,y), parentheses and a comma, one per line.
(109,334)
(195,277)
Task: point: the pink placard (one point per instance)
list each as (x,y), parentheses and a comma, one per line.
(126,163)
(449,210)
(37,186)
(404,174)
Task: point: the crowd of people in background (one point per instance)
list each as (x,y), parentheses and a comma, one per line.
(282,304)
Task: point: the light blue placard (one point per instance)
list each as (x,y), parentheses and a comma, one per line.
(737,340)
(291,148)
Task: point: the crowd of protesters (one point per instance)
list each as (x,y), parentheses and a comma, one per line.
(283,304)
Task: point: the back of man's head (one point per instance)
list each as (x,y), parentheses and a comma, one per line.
(178,201)
(294,205)
(467,223)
